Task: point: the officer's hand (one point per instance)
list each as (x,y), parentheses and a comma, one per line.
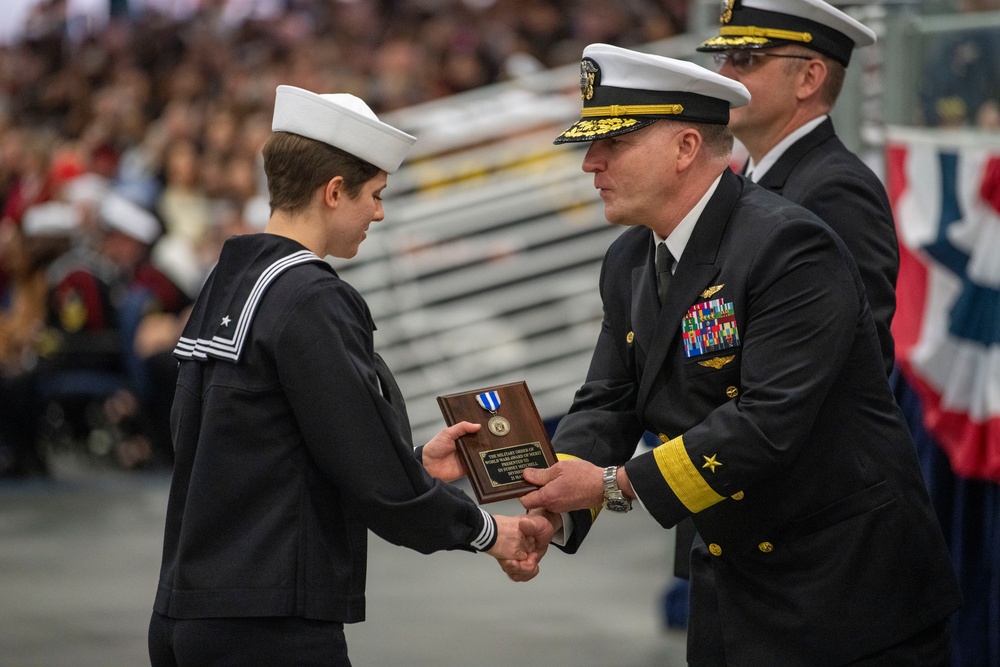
(565,486)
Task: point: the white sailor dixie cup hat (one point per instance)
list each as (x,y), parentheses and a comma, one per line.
(121,214)
(342,121)
(49,219)
(761,24)
(625,90)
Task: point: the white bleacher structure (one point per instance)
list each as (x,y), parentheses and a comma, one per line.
(485,269)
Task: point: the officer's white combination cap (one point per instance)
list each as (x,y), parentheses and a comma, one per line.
(343,121)
(759,24)
(626,90)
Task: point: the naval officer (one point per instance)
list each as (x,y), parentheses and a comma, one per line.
(737,327)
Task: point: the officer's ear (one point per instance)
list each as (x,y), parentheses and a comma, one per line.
(688,144)
(810,78)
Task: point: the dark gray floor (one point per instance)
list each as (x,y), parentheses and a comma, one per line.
(79,557)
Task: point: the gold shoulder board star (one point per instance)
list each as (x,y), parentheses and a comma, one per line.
(712,290)
(710,462)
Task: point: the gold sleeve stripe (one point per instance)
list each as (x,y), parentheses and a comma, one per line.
(771,33)
(682,477)
(594,511)
(633,110)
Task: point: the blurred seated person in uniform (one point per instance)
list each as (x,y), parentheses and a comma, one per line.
(86,192)
(45,234)
(80,360)
(140,291)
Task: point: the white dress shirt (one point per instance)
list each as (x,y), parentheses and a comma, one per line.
(756,171)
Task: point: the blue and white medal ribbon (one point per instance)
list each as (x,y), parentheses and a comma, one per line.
(490,401)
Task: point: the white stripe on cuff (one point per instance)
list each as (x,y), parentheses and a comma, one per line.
(488,534)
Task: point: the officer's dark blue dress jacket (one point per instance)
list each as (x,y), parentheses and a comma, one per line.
(764,377)
(820,174)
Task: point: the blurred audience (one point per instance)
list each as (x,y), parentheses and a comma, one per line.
(130,150)
(169,112)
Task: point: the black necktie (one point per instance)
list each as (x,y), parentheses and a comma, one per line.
(664,263)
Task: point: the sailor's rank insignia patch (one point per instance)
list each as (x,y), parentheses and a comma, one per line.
(709,326)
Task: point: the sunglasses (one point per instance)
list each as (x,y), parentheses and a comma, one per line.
(743,60)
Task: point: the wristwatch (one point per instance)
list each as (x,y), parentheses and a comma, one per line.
(613,498)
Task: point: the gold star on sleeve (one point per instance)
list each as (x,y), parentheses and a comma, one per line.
(710,462)
(680,472)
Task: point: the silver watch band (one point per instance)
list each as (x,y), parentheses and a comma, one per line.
(614,499)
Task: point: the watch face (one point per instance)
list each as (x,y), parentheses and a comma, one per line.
(618,504)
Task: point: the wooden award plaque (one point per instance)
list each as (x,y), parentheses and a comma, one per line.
(512,438)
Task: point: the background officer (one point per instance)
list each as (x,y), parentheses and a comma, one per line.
(792,56)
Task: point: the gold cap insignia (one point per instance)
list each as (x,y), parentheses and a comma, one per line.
(726,15)
(712,290)
(588,75)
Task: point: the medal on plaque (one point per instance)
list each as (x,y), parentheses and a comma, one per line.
(490,401)
(495,457)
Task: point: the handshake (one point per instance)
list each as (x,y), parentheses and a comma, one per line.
(523,540)
(521,543)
